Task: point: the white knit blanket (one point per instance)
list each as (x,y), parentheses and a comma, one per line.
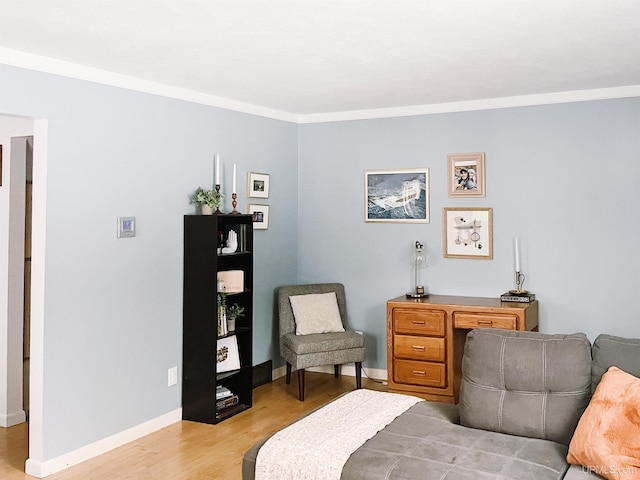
(317,446)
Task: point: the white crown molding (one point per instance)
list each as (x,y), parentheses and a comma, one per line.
(59,67)
(29,61)
(486,104)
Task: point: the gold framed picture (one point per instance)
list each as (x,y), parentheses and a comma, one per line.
(468,233)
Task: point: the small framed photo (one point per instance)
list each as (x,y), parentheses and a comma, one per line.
(260,215)
(468,233)
(227,356)
(397,195)
(466,175)
(258,185)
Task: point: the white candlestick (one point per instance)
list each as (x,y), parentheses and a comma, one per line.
(217,169)
(234,178)
(516,248)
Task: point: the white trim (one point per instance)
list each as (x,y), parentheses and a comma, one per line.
(472,105)
(348,370)
(59,67)
(29,61)
(82,454)
(12,419)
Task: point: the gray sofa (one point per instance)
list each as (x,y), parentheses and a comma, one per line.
(522,394)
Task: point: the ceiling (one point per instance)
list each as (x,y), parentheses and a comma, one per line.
(303,57)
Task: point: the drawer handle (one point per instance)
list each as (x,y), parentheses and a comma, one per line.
(485,322)
(420,348)
(419,373)
(418,322)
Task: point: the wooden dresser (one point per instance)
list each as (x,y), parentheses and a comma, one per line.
(425,339)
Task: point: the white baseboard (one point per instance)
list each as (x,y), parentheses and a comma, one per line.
(11,419)
(41,469)
(349,370)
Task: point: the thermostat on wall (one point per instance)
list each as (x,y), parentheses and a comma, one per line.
(126,227)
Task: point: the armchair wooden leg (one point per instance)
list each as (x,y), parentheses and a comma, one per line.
(336,371)
(301,384)
(358,375)
(288,379)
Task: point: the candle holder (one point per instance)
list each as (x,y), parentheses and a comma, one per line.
(218,192)
(520,278)
(234,196)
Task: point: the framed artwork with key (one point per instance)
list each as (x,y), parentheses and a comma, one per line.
(468,233)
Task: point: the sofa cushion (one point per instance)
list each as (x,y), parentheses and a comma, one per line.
(609,351)
(424,443)
(525,383)
(607,437)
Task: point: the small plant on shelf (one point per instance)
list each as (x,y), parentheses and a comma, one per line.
(235,311)
(209,198)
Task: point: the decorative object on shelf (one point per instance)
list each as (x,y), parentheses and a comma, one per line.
(208,200)
(258,185)
(468,233)
(260,215)
(396,195)
(222,314)
(466,175)
(232,243)
(233,280)
(235,311)
(419,260)
(227,357)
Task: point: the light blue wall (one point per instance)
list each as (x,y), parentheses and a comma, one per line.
(561,177)
(113,307)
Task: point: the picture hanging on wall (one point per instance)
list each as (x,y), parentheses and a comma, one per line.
(397,195)
(468,233)
(260,215)
(258,185)
(466,175)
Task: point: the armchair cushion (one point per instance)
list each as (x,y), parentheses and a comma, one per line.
(316,313)
(325,342)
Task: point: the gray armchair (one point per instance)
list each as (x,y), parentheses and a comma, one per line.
(317,349)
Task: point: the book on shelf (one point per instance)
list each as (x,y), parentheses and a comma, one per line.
(222,392)
(226,402)
(518,297)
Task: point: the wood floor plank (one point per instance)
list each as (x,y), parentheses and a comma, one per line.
(190,450)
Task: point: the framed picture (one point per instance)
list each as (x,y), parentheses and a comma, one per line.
(260,216)
(258,185)
(396,195)
(468,233)
(466,175)
(227,356)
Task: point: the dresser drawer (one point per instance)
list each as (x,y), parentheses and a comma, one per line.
(419,373)
(483,320)
(418,348)
(418,322)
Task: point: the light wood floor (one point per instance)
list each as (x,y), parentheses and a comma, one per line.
(188,450)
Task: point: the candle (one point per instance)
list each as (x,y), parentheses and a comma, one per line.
(217,169)
(516,249)
(234,178)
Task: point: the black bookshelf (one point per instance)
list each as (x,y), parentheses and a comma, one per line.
(204,235)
